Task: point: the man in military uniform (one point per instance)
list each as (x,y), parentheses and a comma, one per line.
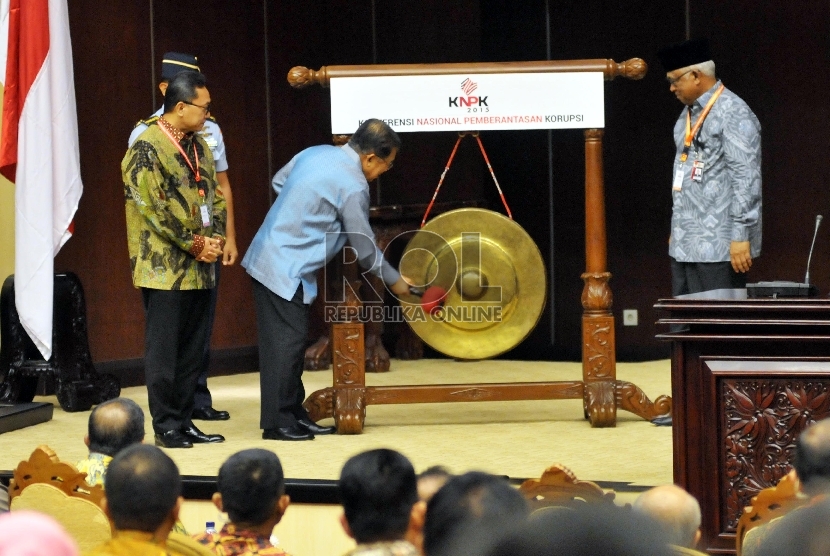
(172,63)
(175,232)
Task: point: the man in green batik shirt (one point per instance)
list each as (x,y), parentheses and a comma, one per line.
(175,231)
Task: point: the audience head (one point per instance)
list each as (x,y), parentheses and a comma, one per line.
(143,489)
(812,458)
(431,480)
(675,511)
(26,533)
(470,505)
(379,493)
(252,488)
(114,425)
(801,532)
(586,531)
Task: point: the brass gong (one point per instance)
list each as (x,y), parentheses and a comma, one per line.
(494,277)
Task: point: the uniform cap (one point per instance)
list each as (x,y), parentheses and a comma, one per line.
(174,62)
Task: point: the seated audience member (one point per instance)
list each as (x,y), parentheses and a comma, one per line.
(801,532)
(25,533)
(113,425)
(677,514)
(430,480)
(469,508)
(586,531)
(382,512)
(812,469)
(252,492)
(142,498)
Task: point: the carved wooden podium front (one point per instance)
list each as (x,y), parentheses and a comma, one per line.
(750,375)
(601,392)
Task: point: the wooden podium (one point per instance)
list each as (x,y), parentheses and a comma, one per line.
(748,375)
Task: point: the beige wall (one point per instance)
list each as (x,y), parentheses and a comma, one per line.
(306,529)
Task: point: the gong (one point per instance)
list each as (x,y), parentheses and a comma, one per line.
(493,276)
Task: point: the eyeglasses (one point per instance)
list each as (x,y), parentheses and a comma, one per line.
(678,78)
(206,107)
(388,164)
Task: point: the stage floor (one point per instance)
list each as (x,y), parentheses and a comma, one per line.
(518,439)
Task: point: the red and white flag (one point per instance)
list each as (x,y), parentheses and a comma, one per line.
(38,150)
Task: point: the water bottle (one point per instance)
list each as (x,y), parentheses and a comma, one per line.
(210,528)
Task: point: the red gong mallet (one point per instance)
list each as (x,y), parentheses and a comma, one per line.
(432,299)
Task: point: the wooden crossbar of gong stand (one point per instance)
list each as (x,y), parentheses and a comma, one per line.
(601,392)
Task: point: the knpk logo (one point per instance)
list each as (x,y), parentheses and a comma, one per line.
(468,86)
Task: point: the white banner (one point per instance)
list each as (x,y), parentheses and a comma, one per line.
(470,102)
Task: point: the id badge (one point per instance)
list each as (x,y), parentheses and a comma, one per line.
(697,170)
(677,184)
(205,216)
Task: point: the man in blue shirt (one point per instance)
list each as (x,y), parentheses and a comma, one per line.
(323,202)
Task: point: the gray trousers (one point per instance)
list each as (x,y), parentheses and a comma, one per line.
(282,329)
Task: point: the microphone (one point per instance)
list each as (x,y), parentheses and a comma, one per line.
(810,256)
(781,288)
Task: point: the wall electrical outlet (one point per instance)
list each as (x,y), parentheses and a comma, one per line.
(630,317)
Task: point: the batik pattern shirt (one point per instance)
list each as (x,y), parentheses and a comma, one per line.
(231,541)
(163,204)
(95,467)
(725,205)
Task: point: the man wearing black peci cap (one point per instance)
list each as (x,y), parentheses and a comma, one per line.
(172,63)
(716,185)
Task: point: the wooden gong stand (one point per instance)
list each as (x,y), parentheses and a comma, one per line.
(601,392)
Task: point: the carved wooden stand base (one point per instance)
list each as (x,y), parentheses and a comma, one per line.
(347,399)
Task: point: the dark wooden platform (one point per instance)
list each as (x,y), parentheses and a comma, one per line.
(19,415)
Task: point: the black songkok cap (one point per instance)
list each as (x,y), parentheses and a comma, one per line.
(174,62)
(684,54)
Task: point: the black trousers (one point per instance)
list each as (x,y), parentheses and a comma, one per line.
(701,277)
(202,398)
(282,328)
(174,340)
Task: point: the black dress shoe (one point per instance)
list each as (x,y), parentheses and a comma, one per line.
(314,428)
(294,432)
(210,414)
(173,439)
(198,437)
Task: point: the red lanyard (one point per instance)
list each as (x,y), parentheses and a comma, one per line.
(692,131)
(184,154)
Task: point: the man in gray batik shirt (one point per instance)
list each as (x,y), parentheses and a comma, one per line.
(716,185)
